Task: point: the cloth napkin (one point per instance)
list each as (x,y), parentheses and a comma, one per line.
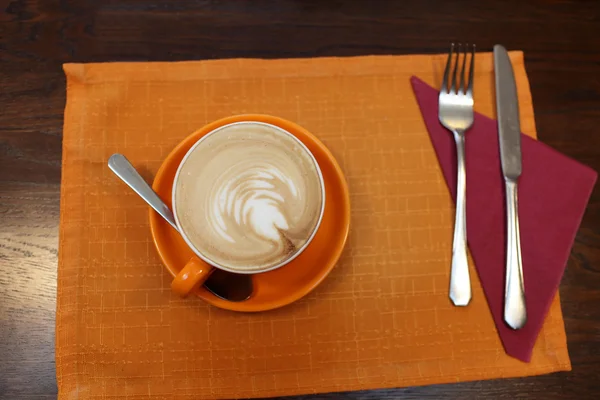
(553,194)
(381,319)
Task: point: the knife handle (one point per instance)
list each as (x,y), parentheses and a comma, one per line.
(460,282)
(515,313)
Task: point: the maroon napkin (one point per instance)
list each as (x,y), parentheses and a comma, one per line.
(553,194)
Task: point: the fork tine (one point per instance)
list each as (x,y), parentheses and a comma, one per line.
(461,86)
(455,69)
(471,70)
(445,86)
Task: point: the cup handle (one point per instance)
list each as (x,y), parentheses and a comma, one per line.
(191,276)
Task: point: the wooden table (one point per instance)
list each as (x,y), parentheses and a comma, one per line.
(562,50)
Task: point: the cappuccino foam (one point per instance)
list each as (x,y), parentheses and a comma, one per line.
(249,196)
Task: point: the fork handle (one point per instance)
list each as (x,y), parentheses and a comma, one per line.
(515,312)
(460,282)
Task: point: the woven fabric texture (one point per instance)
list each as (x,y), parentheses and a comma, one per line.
(381,319)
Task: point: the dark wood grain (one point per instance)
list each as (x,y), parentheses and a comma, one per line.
(561,40)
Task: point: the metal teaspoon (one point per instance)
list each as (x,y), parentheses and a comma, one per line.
(228,286)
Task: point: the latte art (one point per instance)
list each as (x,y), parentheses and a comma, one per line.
(253,202)
(249,197)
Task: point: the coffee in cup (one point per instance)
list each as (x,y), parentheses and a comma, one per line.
(248,197)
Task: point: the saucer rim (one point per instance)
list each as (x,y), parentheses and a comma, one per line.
(322,273)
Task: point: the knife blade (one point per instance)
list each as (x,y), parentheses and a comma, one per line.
(507,106)
(509,135)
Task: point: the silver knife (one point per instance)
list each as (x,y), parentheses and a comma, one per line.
(509,132)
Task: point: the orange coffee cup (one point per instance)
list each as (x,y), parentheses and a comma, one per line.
(201,265)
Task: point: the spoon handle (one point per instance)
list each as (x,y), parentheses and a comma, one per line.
(121,166)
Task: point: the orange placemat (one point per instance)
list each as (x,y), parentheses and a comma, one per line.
(382,318)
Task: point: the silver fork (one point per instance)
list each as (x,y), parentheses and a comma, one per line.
(456,114)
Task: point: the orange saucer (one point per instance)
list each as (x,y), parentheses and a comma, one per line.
(289,283)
